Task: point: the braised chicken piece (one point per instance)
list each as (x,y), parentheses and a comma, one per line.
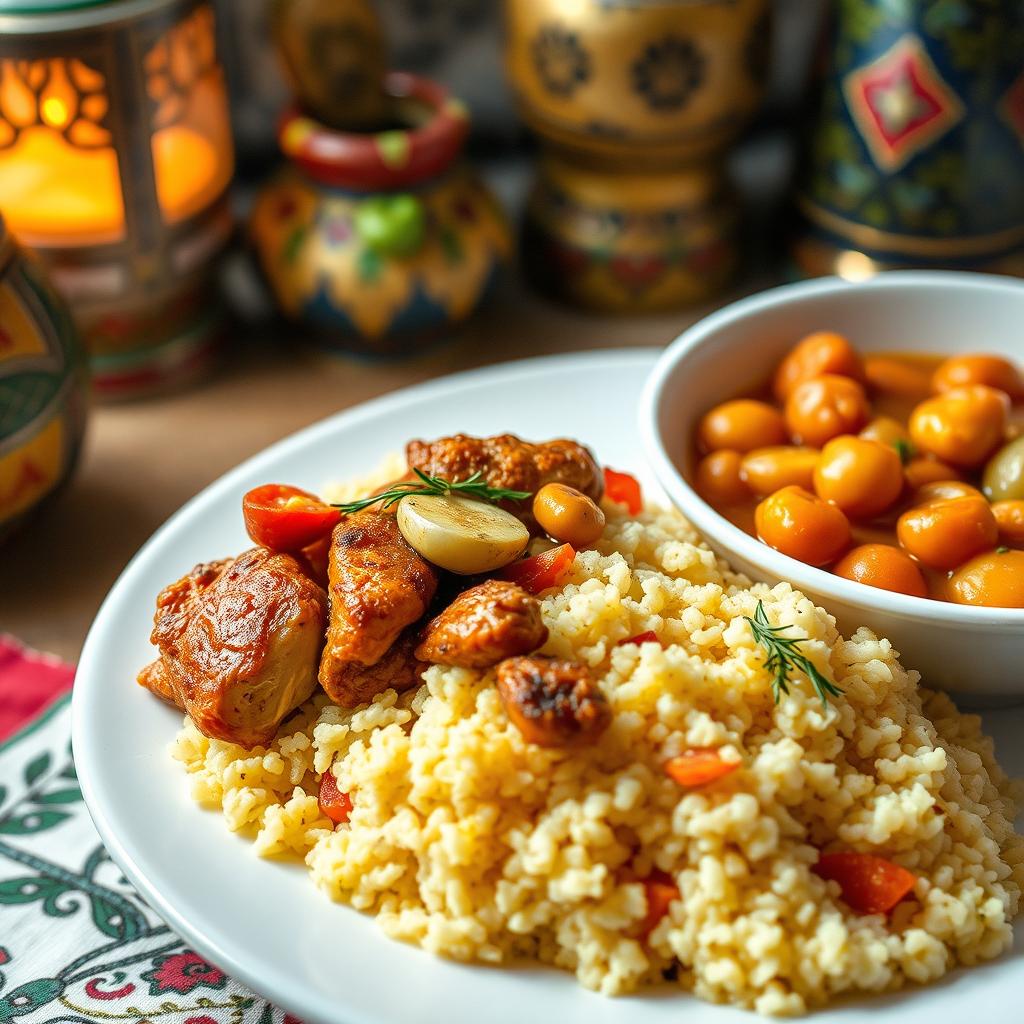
(239,644)
(482,626)
(378,586)
(399,669)
(506,461)
(553,703)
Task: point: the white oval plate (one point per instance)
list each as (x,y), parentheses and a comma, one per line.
(262,921)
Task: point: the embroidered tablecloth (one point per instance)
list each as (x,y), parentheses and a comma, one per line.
(77,944)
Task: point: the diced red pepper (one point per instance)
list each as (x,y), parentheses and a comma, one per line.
(698,767)
(285,518)
(541,571)
(333,803)
(624,489)
(660,891)
(870,884)
(650,637)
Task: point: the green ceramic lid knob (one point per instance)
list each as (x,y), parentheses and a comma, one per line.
(393,225)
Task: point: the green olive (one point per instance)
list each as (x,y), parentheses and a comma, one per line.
(1004,474)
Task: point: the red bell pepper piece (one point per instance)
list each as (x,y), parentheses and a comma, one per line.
(660,890)
(541,571)
(870,884)
(333,803)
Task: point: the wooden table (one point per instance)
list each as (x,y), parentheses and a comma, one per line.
(143,460)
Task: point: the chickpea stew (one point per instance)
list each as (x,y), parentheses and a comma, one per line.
(902,472)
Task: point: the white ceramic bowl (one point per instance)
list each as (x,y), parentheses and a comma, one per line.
(974,653)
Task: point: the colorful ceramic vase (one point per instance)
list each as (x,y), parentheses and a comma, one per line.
(916,158)
(381,241)
(636,102)
(43,387)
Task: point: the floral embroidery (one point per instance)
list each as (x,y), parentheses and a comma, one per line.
(182,972)
(560,60)
(669,72)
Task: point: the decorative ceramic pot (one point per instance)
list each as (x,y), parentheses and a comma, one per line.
(43,387)
(636,101)
(382,241)
(916,158)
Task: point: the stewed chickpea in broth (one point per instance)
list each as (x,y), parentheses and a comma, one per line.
(903,472)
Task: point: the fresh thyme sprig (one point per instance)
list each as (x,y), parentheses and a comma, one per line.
(472,487)
(784,656)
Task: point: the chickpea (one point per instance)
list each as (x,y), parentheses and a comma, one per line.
(888,431)
(568,515)
(1010,520)
(995,371)
(963,426)
(818,353)
(1004,474)
(894,376)
(943,490)
(743,425)
(882,566)
(801,525)
(944,534)
(926,469)
(863,478)
(825,407)
(766,470)
(993,580)
(718,479)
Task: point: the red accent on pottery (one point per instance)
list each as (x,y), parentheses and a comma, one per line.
(638,271)
(356,160)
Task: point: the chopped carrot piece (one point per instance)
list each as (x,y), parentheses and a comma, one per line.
(650,637)
(698,767)
(870,884)
(541,571)
(623,489)
(660,891)
(333,803)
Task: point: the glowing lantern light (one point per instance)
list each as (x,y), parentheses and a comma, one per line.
(115,160)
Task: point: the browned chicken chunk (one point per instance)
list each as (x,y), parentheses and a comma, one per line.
(484,625)
(508,462)
(399,669)
(378,586)
(239,644)
(553,703)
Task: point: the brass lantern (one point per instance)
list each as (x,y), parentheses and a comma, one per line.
(115,160)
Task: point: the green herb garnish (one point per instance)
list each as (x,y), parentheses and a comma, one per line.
(1002,550)
(784,657)
(904,449)
(472,487)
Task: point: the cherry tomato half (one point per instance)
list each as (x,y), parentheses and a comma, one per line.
(540,571)
(285,518)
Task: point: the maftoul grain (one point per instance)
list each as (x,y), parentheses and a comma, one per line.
(475,845)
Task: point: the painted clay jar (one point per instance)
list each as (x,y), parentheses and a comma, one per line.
(636,103)
(916,153)
(629,242)
(43,387)
(380,241)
